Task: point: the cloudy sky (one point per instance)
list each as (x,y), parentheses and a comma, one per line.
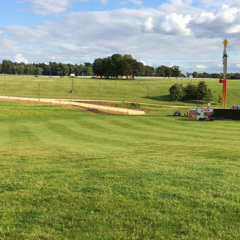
(186,33)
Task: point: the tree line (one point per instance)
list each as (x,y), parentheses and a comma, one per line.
(125,65)
(51,69)
(212,75)
(116,65)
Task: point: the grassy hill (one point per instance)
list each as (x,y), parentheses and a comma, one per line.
(70,174)
(131,90)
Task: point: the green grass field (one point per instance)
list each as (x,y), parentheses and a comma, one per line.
(71,174)
(157,89)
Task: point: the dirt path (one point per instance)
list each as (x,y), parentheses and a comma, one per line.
(149,104)
(75,103)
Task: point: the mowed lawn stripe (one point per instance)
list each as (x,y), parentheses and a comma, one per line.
(161,137)
(4,134)
(217,131)
(55,134)
(174,128)
(20,135)
(65,130)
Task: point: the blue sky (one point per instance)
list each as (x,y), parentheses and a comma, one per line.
(20,12)
(186,33)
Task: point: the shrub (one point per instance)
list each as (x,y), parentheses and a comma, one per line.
(176,92)
(202,90)
(191,92)
(208,97)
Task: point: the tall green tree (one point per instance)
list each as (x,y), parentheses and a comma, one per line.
(188,74)
(149,71)
(117,64)
(8,67)
(108,67)
(98,67)
(127,65)
(138,69)
(168,72)
(20,68)
(161,70)
(194,74)
(175,71)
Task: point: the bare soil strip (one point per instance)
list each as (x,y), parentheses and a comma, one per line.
(97,108)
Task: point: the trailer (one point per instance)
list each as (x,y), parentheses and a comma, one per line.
(210,114)
(232,114)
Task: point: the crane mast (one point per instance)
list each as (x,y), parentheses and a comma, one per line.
(224,80)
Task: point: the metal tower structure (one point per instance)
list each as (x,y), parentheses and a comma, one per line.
(224,80)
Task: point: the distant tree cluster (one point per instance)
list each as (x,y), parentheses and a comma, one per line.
(53,68)
(125,65)
(118,65)
(233,75)
(203,75)
(213,75)
(164,71)
(190,92)
(112,66)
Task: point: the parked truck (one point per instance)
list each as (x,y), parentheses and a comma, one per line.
(204,114)
(210,114)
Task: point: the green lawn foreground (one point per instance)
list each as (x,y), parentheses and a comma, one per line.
(71,174)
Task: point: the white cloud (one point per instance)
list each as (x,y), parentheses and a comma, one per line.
(176,36)
(238,65)
(8,46)
(228,14)
(205,17)
(179,6)
(148,25)
(174,24)
(225,20)
(19,58)
(200,66)
(137,2)
(233,29)
(46,7)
